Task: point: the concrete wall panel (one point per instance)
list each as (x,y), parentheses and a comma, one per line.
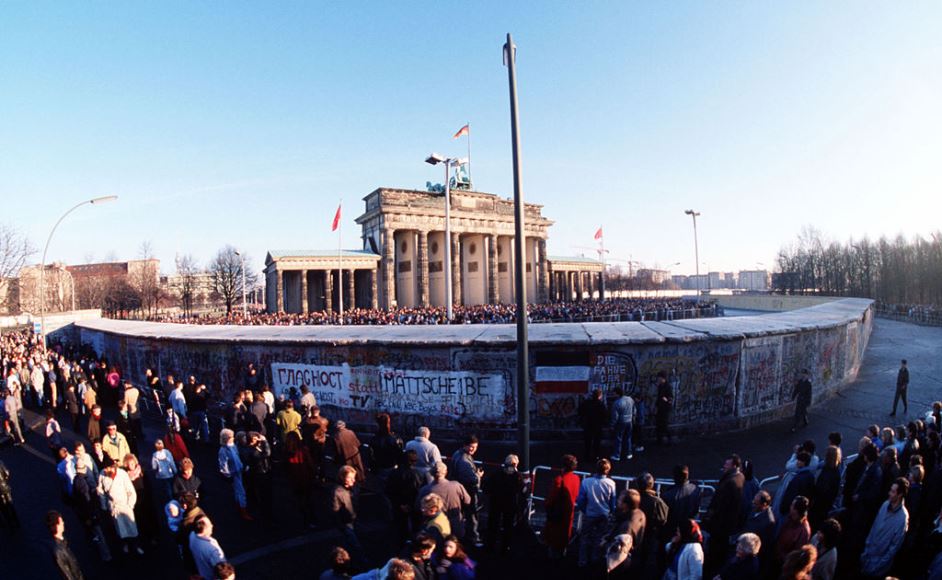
(456,378)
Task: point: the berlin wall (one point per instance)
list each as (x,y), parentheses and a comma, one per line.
(726,373)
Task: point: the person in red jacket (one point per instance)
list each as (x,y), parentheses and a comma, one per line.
(561,507)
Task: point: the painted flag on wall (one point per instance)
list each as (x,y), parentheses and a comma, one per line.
(598,234)
(336,223)
(562,373)
(463,131)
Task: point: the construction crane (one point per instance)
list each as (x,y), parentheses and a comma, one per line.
(598,249)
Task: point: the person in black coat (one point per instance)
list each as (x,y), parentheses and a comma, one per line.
(801,394)
(826,487)
(506,489)
(593,418)
(723,516)
(683,500)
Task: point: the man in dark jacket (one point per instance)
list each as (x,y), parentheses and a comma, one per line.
(801,394)
(593,417)
(683,501)
(902,385)
(723,516)
(63,557)
(663,407)
(761,522)
(402,489)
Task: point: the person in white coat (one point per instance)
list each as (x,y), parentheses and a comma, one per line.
(118,498)
(685,553)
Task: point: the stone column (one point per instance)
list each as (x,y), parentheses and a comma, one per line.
(388,288)
(374,299)
(542,291)
(590,283)
(579,284)
(456,268)
(422,270)
(493,292)
(602,285)
(350,300)
(328,292)
(304,308)
(280,291)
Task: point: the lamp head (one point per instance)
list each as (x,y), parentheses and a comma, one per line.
(104,199)
(435,159)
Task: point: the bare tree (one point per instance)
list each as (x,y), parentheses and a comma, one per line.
(226,271)
(187,270)
(15,250)
(894,271)
(144,280)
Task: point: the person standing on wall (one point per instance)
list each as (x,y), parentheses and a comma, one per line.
(801,394)
(902,385)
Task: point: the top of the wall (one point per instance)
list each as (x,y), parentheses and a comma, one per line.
(823,316)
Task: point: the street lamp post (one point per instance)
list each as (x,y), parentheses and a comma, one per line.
(696,249)
(245,310)
(42,266)
(435,159)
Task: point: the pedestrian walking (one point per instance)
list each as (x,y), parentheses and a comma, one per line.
(118,498)
(902,386)
(801,394)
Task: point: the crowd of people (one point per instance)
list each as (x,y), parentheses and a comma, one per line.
(875,515)
(608,310)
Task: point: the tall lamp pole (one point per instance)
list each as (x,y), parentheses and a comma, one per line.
(42,266)
(523,363)
(245,311)
(696,249)
(435,159)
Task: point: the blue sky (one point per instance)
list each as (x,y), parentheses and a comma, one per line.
(245,123)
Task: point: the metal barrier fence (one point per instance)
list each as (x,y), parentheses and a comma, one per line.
(914,317)
(539,488)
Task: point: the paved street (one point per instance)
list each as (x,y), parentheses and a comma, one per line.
(285,548)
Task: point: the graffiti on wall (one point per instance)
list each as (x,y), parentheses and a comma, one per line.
(702,375)
(454,394)
(762,381)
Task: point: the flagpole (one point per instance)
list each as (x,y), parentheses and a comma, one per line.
(340,265)
(470,181)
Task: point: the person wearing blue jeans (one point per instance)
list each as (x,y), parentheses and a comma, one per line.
(623,410)
(199,422)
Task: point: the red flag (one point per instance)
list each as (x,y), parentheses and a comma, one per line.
(336,223)
(463,131)
(598,234)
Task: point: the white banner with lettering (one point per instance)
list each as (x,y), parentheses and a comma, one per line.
(481,395)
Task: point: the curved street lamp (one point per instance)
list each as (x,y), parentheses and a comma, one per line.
(42,265)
